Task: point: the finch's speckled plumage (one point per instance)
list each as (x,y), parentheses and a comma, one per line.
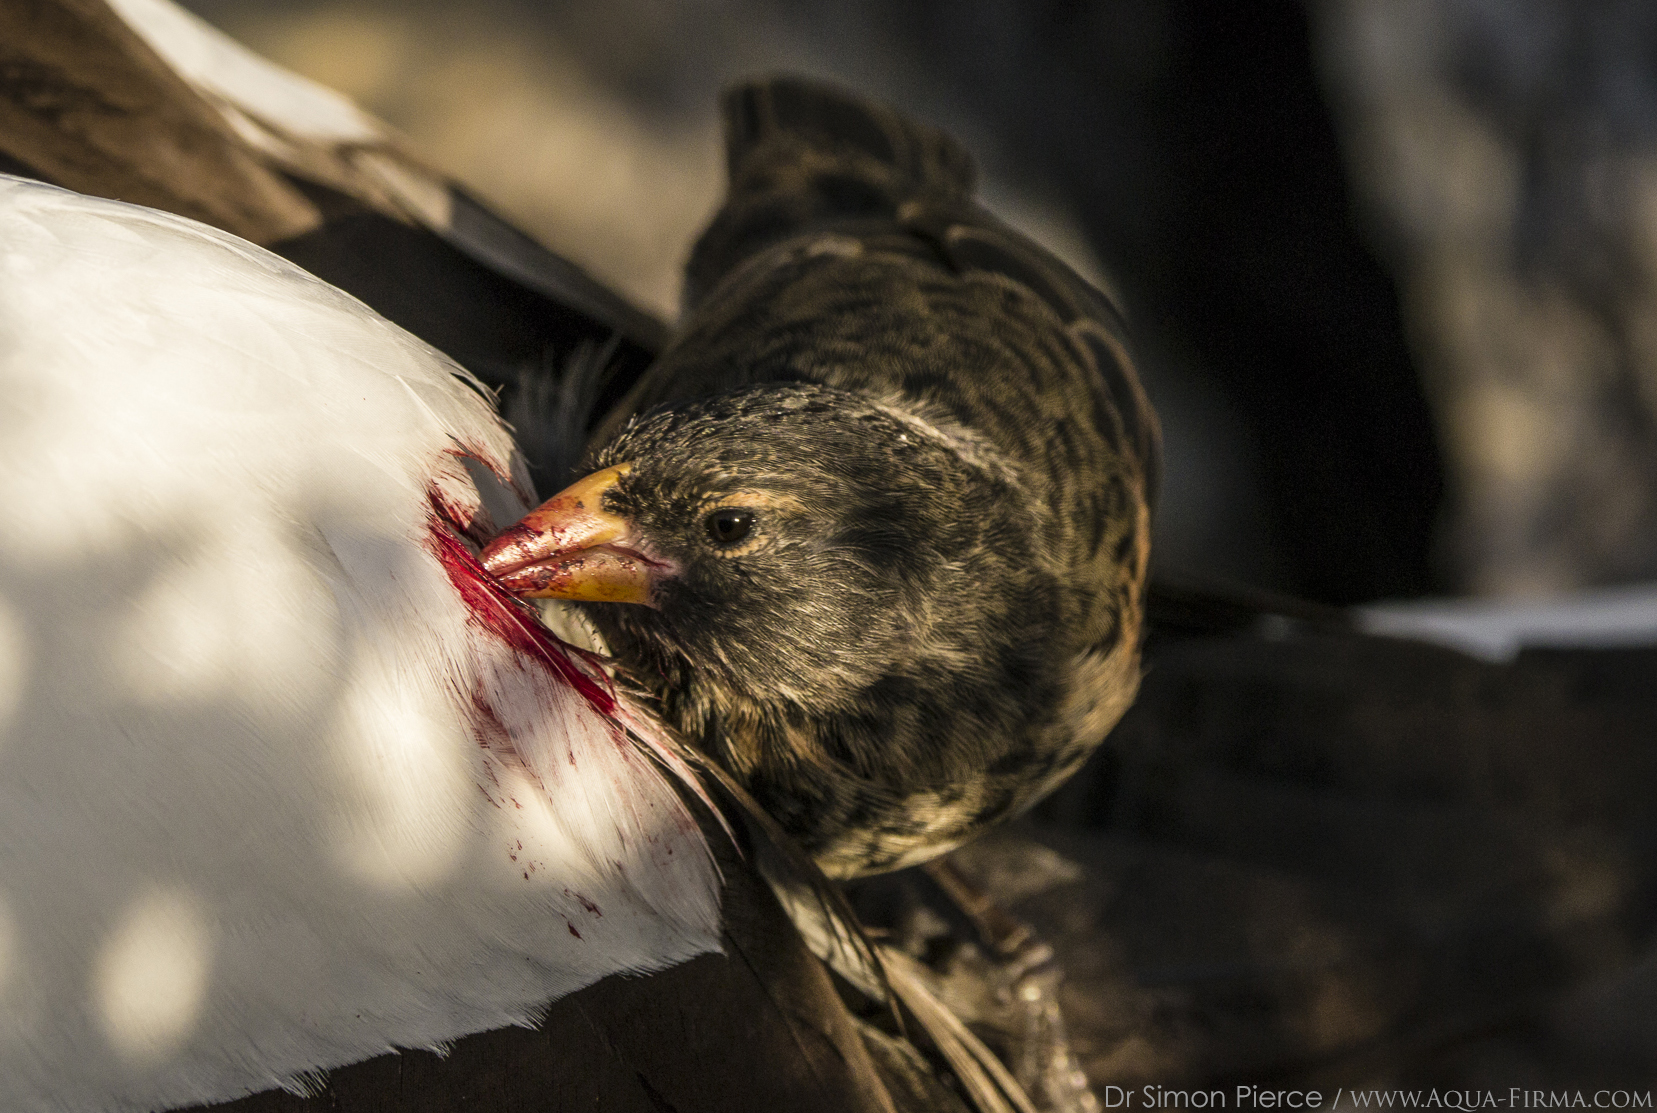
(948,464)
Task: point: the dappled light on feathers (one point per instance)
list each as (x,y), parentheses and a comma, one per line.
(243,677)
(150,977)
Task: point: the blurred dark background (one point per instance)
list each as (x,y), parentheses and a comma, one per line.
(1390,262)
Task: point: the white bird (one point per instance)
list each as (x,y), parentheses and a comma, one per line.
(284,780)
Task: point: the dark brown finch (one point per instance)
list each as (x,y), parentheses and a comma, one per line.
(873,530)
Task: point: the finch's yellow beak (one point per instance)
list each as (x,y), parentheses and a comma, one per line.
(569,547)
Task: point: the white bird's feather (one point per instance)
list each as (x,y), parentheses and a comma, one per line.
(274,794)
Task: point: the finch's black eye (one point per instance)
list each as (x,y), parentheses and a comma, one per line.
(727,527)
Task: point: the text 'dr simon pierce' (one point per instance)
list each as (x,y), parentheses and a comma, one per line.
(1257,1097)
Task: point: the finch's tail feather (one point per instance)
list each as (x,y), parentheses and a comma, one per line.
(804,155)
(845,130)
(809,159)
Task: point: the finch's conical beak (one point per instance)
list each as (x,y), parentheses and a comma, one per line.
(569,547)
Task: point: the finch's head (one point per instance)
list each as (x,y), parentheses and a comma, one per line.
(789,541)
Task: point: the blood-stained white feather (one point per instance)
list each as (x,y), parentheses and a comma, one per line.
(284,781)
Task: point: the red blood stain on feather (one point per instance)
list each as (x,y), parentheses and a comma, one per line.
(470,518)
(465,519)
(509,618)
(493,737)
(519,626)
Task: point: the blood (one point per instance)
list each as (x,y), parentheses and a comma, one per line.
(509,618)
(515,623)
(462,518)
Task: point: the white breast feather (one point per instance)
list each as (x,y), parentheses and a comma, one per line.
(271,799)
